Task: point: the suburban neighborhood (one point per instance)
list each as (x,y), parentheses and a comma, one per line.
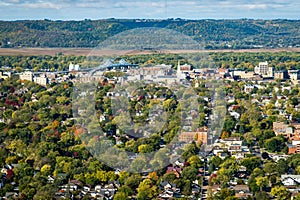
(249,158)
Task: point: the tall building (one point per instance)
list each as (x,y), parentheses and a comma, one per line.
(281,75)
(27,75)
(294,75)
(42,80)
(264,70)
(73,67)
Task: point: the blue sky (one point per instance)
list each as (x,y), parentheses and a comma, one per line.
(188,9)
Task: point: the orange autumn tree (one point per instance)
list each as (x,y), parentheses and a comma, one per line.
(224,135)
(78,131)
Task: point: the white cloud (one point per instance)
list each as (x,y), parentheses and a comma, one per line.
(42,5)
(153,8)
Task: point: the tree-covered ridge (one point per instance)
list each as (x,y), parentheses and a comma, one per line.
(236,34)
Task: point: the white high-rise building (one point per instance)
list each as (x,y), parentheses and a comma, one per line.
(264,70)
(73,67)
(77,67)
(27,75)
(42,80)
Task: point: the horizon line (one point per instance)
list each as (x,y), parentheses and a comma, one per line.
(170,18)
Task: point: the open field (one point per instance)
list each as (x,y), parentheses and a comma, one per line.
(89,51)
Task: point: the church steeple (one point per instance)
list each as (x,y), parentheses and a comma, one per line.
(178,67)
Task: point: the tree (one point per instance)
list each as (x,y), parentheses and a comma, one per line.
(90,178)
(18,146)
(46,169)
(123,176)
(3,155)
(145,148)
(257,172)
(224,135)
(146,190)
(45,192)
(215,161)
(270,168)
(298,196)
(224,193)
(251,163)
(153,176)
(102,176)
(170,104)
(187,187)
(261,182)
(169,177)
(195,161)
(262,195)
(121,196)
(232,198)
(229,124)
(189,173)
(111,176)
(126,190)
(275,144)
(297,170)
(191,150)
(139,164)
(265,155)
(280,192)
(133,181)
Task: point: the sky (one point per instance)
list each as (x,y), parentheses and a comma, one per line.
(148,9)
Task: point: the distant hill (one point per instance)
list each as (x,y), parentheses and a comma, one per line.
(215,34)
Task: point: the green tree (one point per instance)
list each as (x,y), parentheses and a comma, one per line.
(145,148)
(146,190)
(224,193)
(195,161)
(275,144)
(189,173)
(262,182)
(46,169)
(121,196)
(251,163)
(280,192)
(282,166)
(262,195)
(270,168)
(133,181)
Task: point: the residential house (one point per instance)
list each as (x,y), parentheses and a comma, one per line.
(290,180)
(174,170)
(242,191)
(230,98)
(214,189)
(281,128)
(169,190)
(294,147)
(200,135)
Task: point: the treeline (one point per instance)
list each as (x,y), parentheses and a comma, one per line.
(215,34)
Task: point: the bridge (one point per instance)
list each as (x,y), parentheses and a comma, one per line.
(122,64)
